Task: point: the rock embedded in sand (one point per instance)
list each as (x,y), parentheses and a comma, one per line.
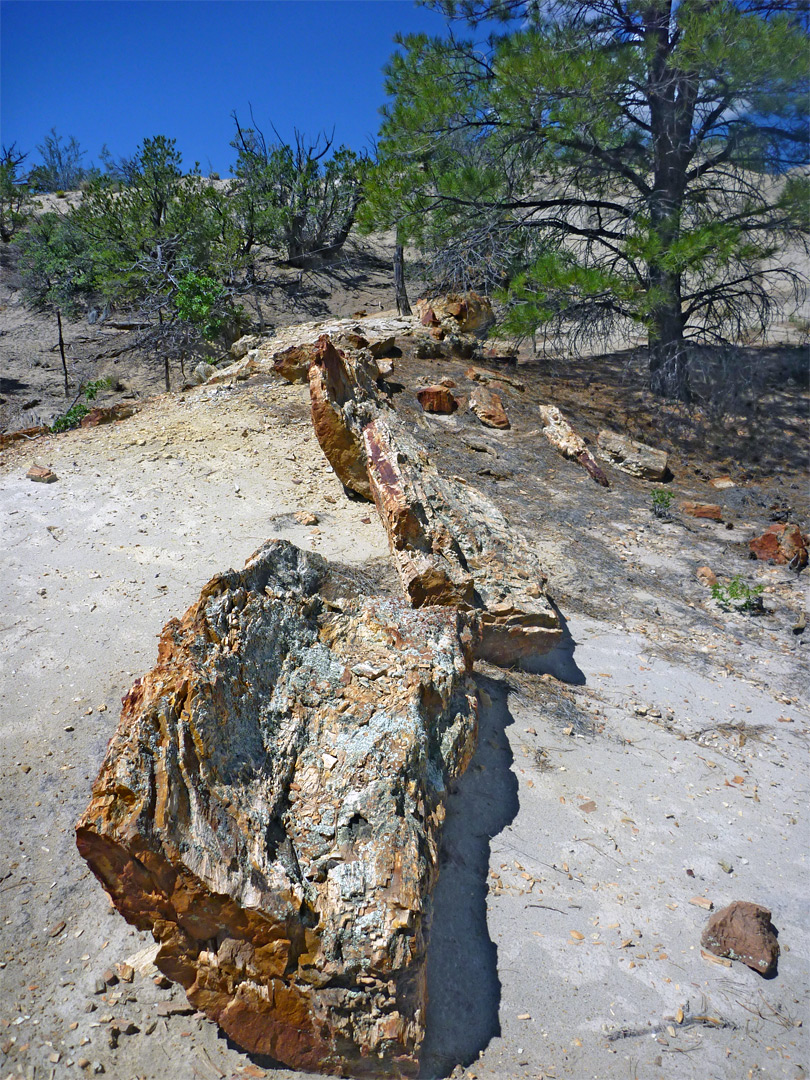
(468,313)
(707,511)
(274,818)
(41,474)
(568,443)
(743,931)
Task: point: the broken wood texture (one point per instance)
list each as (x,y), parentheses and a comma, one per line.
(631,456)
(343,399)
(566,442)
(488,407)
(436,399)
(452,546)
(270,808)
(467,312)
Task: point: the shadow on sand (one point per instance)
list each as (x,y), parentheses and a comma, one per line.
(464,990)
(560,661)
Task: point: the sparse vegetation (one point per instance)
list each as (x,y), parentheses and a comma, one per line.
(738,595)
(73,416)
(661,503)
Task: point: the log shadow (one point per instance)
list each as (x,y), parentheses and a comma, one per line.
(560,661)
(464,990)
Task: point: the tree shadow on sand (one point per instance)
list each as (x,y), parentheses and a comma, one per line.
(464,990)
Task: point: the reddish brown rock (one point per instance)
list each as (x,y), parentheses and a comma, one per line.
(566,442)
(9,438)
(338,387)
(271,803)
(743,931)
(782,544)
(111,415)
(452,546)
(40,474)
(293,364)
(468,313)
(709,511)
(488,407)
(437,399)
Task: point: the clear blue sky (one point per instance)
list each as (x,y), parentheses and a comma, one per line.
(116,71)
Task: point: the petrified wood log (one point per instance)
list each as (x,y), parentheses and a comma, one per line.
(343,399)
(452,546)
(566,442)
(270,808)
(632,456)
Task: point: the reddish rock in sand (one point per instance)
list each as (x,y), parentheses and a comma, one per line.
(743,931)
(437,399)
(782,544)
(110,415)
(40,474)
(710,511)
(488,407)
(270,808)
(706,576)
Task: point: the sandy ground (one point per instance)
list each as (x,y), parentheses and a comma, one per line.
(626,776)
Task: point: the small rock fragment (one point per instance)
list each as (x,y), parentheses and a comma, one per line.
(304,517)
(488,407)
(782,544)
(706,576)
(41,475)
(631,456)
(57,929)
(710,511)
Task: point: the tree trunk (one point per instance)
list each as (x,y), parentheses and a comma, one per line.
(403,306)
(669,361)
(62,351)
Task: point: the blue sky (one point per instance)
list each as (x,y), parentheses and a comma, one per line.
(116,71)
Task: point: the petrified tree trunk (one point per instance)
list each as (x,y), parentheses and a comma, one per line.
(452,546)
(271,804)
(566,442)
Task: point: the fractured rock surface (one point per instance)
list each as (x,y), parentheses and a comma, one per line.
(452,546)
(743,931)
(271,804)
(632,456)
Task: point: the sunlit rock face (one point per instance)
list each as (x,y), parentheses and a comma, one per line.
(270,808)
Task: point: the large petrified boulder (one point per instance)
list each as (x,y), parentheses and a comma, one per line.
(632,456)
(452,546)
(270,808)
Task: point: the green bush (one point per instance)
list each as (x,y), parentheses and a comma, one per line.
(738,595)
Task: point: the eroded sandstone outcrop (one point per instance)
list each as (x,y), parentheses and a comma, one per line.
(270,808)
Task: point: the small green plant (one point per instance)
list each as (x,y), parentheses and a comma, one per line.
(738,595)
(661,502)
(73,417)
